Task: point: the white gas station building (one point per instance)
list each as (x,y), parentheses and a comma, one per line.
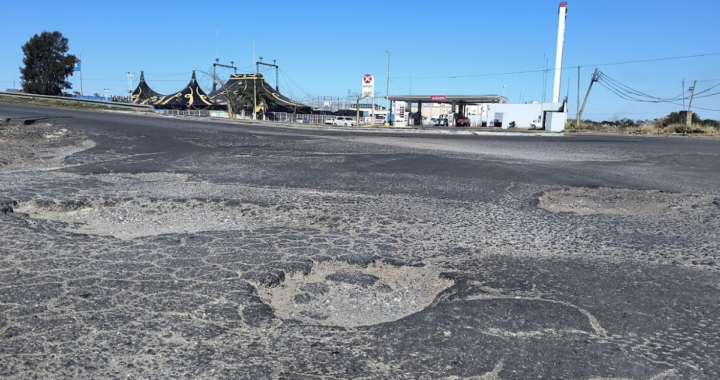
(482,110)
(490,110)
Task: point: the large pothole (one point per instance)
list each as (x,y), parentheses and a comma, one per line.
(624,202)
(130,218)
(340,294)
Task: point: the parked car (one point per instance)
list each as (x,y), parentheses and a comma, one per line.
(536,124)
(329,121)
(344,120)
(462,121)
(302,121)
(433,122)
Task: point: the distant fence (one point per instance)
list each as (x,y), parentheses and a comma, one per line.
(304,118)
(184,112)
(281,117)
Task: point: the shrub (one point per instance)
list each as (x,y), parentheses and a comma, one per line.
(691,129)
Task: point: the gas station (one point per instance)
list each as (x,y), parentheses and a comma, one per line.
(403,104)
(482,110)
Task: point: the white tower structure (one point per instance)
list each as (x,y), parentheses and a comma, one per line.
(562,15)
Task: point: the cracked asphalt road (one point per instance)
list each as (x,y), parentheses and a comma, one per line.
(169,248)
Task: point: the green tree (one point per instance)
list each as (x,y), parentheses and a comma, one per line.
(244,98)
(47,65)
(675,118)
(265,98)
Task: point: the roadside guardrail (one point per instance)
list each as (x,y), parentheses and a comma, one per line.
(139,107)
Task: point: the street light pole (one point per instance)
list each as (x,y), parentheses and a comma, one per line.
(254,85)
(387,92)
(683,82)
(130,85)
(81,87)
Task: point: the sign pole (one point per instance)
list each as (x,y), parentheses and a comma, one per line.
(81,88)
(367,90)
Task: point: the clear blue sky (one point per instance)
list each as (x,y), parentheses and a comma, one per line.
(325,47)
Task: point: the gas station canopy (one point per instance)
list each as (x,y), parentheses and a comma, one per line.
(466,99)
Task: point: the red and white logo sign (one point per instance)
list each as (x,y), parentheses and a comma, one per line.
(368,86)
(438,98)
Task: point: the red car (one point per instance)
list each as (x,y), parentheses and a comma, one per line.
(462,121)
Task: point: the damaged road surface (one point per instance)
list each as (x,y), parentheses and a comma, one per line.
(169,248)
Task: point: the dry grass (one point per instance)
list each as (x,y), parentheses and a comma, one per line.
(64,103)
(692,129)
(646,129)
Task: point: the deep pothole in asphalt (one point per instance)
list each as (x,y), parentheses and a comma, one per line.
(336,293)
(624,202)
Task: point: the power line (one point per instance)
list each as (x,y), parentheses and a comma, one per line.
(628,93)
(168,75)
(293,82)
(565,68)
(635,94)
(401,87)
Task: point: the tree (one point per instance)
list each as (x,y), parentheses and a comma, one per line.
(46,64)
(265,98)
(241,98)
(675,118)
(230,98)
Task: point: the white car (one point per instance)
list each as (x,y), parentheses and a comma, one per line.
(328,121)
(344,120)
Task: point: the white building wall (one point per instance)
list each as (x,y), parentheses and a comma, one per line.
(521,114)
(555,121)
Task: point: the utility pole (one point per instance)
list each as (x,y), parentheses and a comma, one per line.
(217,54)
(545,72)
(577,122)
(130,85)
(217,60)
(81,87)
(688,114)
(387,93)
(692,95)
(683,82)
(230,66)
(254,116)
(277,76)
(215,65)
(593,80)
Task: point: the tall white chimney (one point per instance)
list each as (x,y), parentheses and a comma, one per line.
(562,15)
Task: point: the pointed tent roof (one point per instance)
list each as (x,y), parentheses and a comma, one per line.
(191,97)
(143,94)
(243,83)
